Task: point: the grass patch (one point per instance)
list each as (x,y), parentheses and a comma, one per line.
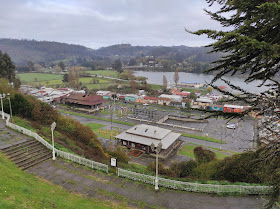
(97,118)
(202,91)
(108,134)
(23,190)
(109,73)
(187,150)
(36,77)
(205,138)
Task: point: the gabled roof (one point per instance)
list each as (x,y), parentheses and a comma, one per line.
(84,99)
(146,135)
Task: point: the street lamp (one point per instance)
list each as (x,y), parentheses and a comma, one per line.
(11,114)
(2,96)
(52,128)
(157,149)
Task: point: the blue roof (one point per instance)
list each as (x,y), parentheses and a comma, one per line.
(191,82)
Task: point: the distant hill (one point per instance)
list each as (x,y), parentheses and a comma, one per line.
(22,51)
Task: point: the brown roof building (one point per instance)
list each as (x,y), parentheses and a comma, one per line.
(83,100)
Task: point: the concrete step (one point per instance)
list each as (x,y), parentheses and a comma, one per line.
(29,156)
(19,146)
(47,157)
(27,150)
(34,160)
(23,148)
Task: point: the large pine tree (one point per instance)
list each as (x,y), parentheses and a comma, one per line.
(251,44)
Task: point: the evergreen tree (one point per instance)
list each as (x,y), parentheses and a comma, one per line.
(251,44)
(118,66)
(61,65)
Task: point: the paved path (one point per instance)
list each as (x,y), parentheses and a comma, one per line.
(98,185)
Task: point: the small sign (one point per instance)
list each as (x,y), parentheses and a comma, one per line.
(114,162)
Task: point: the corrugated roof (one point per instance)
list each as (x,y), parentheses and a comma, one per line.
(149,131)
(84,99)
(147,138)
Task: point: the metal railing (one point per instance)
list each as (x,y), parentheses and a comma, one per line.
(195,187)
(65,155)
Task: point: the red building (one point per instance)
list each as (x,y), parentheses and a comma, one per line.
(233,108)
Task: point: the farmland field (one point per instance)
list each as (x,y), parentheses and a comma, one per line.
(37,77)
(109,73)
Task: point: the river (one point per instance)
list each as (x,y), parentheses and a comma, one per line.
(157,77)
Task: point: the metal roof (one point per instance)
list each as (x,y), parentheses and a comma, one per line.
(153,134)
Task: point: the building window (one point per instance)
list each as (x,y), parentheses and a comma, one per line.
(124,142)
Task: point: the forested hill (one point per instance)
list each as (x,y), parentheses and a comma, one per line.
(22,51)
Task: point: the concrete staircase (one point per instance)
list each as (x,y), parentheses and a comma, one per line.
(28,153)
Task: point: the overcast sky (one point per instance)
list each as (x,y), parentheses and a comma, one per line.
(97,23)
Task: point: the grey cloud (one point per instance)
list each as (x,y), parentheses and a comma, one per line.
(102,23)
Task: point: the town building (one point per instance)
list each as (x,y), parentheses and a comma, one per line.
(83,100)
(196,84)
(233,108)
(142,136)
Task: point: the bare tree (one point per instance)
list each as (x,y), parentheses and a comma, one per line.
(176,76)
(164,81)
(132,80)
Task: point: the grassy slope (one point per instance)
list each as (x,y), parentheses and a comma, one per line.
(30,77)
(21,190)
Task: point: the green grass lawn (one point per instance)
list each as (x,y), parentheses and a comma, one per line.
(187,150)
(97,128)
(112,73)
(37,77)
(205,138)
(102,132)
(22,190)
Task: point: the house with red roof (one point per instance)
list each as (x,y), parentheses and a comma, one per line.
(83,100)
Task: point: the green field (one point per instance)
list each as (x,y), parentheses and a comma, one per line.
(205,138)
(52,80)
(187,150)
(109,73)
(37,77)
(22,190)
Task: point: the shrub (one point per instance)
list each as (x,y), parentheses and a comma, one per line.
(205,170)
(203,155)
(186,168)
(121,156)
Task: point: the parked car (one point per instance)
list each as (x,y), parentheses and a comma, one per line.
(231,126)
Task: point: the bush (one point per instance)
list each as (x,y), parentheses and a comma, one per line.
(186,168)
(205,170)
(121,156)
(161,169)
(239,168)
(203,156)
